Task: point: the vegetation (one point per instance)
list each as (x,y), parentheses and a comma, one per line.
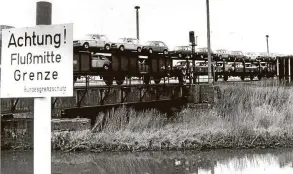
(247,116)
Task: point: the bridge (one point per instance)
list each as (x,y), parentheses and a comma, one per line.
(93,96)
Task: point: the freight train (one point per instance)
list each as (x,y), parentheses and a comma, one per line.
(116,64)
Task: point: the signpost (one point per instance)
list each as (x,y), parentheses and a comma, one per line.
(37,62)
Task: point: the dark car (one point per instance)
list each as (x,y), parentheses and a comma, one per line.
(237,55)
(203,52)
(181,51)
(155,46)
(182,65)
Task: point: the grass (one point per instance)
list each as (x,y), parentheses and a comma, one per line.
(247,116)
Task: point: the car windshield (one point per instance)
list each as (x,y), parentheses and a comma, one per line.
(89,36)
(237,52)
(221,51)
(135,41)
(104,38)
(148,43)
(178,48)
(203,50)
(263,54)
(121,40)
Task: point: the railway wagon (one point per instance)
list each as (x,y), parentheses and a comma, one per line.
(242,69)
(117,65)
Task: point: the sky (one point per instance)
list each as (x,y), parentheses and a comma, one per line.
(235,24)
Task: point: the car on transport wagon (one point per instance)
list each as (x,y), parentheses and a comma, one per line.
(127,43)
(203,52)
(263,56)
(93,41)
(251,55)
(181,51)
(155,46)
(237,55)
(100,61)
(222,54)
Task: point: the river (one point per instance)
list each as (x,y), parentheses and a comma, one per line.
(188,162)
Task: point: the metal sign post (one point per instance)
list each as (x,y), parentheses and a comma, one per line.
(209,43)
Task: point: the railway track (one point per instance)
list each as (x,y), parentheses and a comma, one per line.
(100,83)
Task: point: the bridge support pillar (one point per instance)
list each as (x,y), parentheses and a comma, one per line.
(202,94)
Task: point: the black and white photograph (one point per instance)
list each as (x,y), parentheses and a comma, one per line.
(146,86)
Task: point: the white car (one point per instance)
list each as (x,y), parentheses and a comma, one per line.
(264,54)
(251,55)
(128,44)
(93,41)
(99,60)
(223,53)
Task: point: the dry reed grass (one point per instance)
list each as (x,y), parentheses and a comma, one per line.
(245,117)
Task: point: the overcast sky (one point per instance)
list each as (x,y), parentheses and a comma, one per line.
(235,24)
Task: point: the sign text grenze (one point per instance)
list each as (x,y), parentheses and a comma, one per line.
(37,61)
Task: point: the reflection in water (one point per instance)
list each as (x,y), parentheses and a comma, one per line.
(17,162)
(209,162)
(218,161)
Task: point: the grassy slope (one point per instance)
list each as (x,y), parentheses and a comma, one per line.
(246,117)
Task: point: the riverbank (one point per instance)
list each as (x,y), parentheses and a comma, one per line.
(245,117)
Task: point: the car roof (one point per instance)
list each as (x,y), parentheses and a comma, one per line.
(183,46)
(182,61)
(154,41)
(128,38)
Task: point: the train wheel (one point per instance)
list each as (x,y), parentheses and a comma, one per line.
(108,80)
(157,80)
(146,79)
(119,80)
(242,78)
(251,77)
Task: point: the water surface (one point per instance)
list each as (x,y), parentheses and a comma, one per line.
(188,162)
